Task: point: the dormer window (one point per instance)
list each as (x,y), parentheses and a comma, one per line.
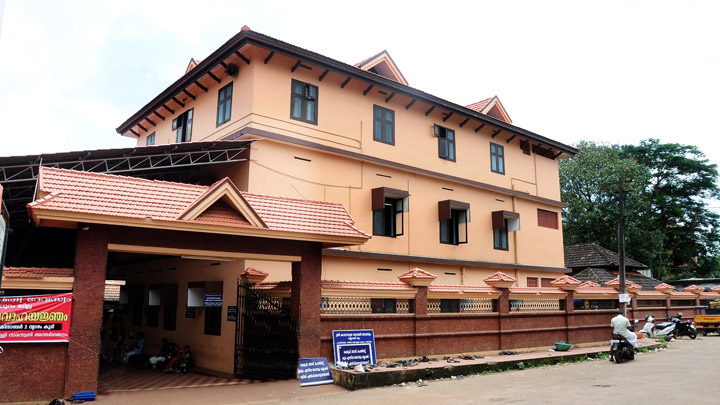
(303,105)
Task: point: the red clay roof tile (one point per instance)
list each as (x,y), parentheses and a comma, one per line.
(480,105)
(565,280)
(36,272)
(417,273)
(499,276)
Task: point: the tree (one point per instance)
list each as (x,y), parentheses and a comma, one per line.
(668,224)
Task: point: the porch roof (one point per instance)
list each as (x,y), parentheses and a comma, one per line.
(68,197)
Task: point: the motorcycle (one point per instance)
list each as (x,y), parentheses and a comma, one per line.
(621,349)
(684,328)
(665,330)
(648,329)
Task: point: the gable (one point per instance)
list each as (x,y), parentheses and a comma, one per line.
(491,107)
(220,213)
(233,207)
(382,65)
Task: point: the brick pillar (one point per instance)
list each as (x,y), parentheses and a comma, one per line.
(570,302)
(83,350)
(634,305)
(569,312)
(668,305)
(503,309)
(306,301)
(421,325)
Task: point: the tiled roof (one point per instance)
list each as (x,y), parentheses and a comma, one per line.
(682,294)
(663,286)
(499,276)
(694,289)
(616,282)
(366,285)
(536,290)
(254,272)
(480,105)
(565,280)
(589,284)
(271,285)
(593,255)
(417,273)
(36,272)
(602,276)
(130,197)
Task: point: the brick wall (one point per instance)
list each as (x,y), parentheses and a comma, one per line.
(29,371)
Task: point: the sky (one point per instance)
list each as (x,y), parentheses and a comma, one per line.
(614,72)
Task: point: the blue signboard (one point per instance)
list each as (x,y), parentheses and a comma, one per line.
(314,371)
(354,346)
(213,300)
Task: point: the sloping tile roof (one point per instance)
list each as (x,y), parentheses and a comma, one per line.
(417,273)
(36,272)
(536,290)
(463,289)
(480,105)
(602,276)
(650,294)
(499,276)
(565,280)
(593,255)
(616,282)
(119,196)
(366,285)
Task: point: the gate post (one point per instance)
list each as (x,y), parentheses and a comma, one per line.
(307,299)
(88,291)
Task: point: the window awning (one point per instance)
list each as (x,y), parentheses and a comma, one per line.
(445,208)
(513,220)
(379,194)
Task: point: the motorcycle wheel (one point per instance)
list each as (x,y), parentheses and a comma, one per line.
(619,358)
(693,335)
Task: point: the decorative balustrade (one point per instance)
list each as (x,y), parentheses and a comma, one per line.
(585,305)
(365,305)
(463,306)
(534,305)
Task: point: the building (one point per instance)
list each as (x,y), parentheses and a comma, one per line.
(463,208)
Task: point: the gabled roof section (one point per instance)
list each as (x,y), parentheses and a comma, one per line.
(382,65)
(67,197)
(492,107)
(192,64)
(594,255)
(226,192)
(602,276)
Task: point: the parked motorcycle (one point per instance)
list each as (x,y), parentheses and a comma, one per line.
(665,330)
(621,349)
(648,329)
(684,328)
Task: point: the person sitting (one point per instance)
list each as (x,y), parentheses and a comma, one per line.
(136,349)
(621,326)
(166,350)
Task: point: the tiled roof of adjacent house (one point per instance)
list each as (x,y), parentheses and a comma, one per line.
(36,272)
(593,255)
(602,276)
(131,197)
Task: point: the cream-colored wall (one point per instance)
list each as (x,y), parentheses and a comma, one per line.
(343,180)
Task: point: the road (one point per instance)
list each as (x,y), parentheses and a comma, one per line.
(684,373)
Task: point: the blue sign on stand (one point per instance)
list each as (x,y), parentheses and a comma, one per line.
(314,371)
(354,346)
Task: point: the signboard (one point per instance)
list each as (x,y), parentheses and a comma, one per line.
(354,346)
(232,313)
(624,297)
(190,312)
(314,371)
(35,318)
(213,300)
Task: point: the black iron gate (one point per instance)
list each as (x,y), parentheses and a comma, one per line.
(266,339)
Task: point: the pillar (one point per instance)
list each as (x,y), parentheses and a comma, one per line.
(569,313)
(421,324)
(503,309)
(86,320)
(306,301)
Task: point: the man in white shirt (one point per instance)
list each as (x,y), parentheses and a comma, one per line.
(621,326)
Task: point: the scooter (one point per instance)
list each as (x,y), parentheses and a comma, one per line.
(665,330)
(621,349)
(648,329)
(686,328)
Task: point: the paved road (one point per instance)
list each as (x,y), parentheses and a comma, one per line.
(686,373)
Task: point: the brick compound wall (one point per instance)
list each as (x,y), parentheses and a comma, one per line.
(29,371)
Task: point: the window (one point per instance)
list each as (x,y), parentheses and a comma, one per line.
(169,298)
(183,125)
(150,139)
(388,205)
(497,158)
(547,219)
(532,282)
(224,107)
(446,142)
(453,216)
(384,125)
(502,223)
(303,104)
(383,305)
(500,237)
(213,318)
(546,282)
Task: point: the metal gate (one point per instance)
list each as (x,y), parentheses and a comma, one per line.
(266,339)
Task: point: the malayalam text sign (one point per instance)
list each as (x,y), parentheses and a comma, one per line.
(354,346)
(35,318)
(314,371)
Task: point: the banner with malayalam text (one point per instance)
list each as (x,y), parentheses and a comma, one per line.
(35,318)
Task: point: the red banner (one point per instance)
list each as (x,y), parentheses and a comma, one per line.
(35,318)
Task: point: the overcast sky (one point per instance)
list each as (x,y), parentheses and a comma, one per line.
(605,71)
